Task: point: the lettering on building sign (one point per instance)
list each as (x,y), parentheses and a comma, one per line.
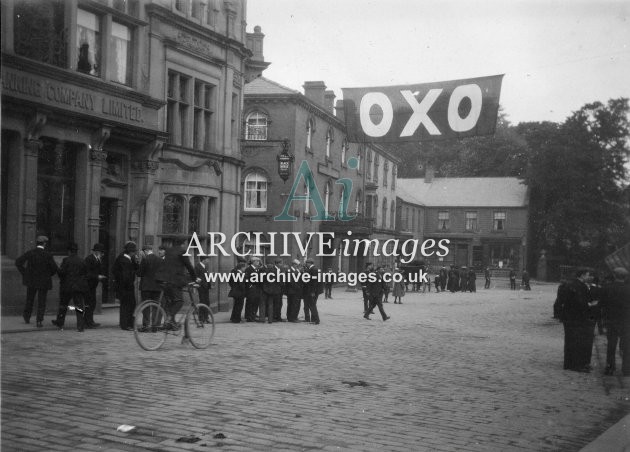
(423,112)
(59,94)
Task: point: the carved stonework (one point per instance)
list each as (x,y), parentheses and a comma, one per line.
(34,126)
(145,166)
(193,43)
(98,156)
(32,147)
(99,137)
(237,80)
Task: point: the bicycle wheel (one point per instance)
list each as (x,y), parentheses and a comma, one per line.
(199,325)
(149,325)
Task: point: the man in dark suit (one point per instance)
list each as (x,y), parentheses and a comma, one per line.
(37,267)
(253,289)
(271,297)
(443,278)
(73,286)
(616,313)
(312,289)
(486,274)
(201,268)
(238,290)
(124,271)
(96,272)
(577,312)
(375,288)
(472,280)
(174,274)
(294,290)
(149,287)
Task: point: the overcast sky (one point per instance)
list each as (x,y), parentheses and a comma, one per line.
(556,55)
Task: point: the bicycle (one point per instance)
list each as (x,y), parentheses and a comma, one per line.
(152,326)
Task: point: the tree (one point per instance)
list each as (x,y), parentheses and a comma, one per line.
(577,179)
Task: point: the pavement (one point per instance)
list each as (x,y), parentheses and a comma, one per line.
(447,372)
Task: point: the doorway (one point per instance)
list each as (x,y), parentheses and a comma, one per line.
(108,221)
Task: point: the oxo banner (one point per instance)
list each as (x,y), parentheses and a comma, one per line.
(423,112)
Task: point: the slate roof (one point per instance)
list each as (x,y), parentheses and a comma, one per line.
(464,192)
(262,85)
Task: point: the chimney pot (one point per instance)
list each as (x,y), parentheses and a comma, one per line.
(314,91)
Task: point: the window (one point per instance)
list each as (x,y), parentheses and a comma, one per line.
(385,170)
(173,215)
(256,128)
(181,6)
(39,31)
(392,215)
(357,202)
(203,115)
(407,219)
(327,197)
(413,219)
(55,194)
(194,214)
(126,6)
(328,143)
(384,214)
(344,150)
(394,169)
(471,221)
(255,192)
(177,108)
(88,42)
(309,134)
(443,223)
(120,48)
(499,221)
(368,167)
(376,165)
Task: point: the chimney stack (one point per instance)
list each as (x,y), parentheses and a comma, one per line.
(255,43)
(329,101)
(314,91)
(339,113)
(429,173)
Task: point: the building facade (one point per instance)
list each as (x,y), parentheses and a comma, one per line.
(315,136)
(484,218)
(120,121)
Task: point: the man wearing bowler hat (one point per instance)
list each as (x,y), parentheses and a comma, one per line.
(124,272)
(96,272)
(37,267)
(73,286)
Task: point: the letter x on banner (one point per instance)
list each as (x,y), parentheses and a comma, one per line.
(423,112)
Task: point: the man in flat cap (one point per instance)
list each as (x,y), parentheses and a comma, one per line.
(96,272)
(37,267)
(124,271)
(73,286)
(615,306)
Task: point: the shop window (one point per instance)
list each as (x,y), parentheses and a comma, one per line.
(173,215)
(443,220)
(121,53)
(203,115)
(194,214)
(471,221)
(255,192)
(499,221)
(256,128)
(39,31)
(55,194)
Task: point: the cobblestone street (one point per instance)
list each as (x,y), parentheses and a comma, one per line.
(448,372)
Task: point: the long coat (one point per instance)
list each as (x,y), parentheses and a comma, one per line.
(94,268)
(124,272)
(73,275)
(37,267)
(176,268)
(148,268)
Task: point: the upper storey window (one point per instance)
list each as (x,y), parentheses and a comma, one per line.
(39,31)
(121,53)
(256,128)
(89,42)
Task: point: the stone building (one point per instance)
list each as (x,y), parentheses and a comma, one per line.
(120,121)
(485,218)
(274,114)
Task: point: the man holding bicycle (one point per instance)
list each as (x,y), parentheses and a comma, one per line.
(175,272)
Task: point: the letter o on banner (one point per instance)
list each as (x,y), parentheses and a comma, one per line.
(367,102)
(456,122)
(397,277)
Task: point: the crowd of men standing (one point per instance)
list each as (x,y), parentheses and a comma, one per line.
(581,304)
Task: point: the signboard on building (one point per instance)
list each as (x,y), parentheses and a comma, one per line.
(423,112)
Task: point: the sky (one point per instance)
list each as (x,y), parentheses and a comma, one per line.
(556,55)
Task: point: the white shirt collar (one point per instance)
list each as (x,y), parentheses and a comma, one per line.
(127,256)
